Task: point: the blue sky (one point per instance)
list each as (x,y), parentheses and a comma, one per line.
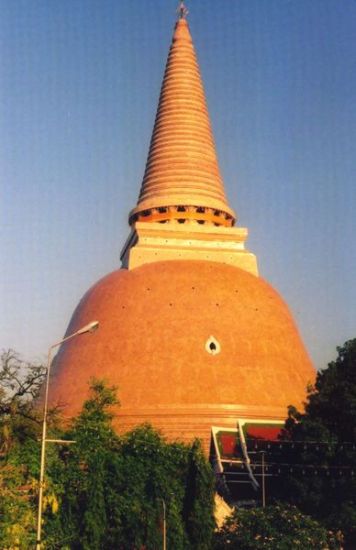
(79,88)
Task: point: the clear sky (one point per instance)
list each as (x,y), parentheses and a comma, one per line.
(79,89)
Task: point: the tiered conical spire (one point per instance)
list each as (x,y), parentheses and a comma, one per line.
(182,179)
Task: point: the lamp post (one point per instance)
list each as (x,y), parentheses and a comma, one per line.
(87,328)
(164,535)
(263,480)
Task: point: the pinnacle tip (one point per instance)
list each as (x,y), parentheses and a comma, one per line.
(182,11)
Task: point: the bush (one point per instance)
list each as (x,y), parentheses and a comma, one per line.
(279,527)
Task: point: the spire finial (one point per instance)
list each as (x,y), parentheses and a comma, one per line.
(182,10)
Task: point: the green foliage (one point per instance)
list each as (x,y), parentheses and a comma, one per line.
(279,527)
(199,497)
(108,491)
(19,450)
(16,512)
(81,478)
(145,471)
(333,401)
(20,383)
(111,489)
(103,491)
(330,416)
(19,474)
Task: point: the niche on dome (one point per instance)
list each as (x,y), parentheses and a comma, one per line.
(212,346)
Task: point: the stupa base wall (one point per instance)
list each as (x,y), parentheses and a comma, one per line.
(187,424)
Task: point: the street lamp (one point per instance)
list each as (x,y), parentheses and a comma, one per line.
(263,480)
(87,328)
(164,537)
(164,525)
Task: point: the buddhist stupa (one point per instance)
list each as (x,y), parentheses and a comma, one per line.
(190,333)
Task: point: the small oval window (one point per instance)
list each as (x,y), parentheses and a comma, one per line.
(212,346)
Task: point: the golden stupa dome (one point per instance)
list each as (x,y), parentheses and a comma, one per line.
(189,344)
(189,332)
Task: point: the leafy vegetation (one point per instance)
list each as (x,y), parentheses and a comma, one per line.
(329,418)
(105,491)
(279,527)
(20,383)
(113,486)
(108,491)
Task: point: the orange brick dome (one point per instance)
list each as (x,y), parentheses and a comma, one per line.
(189,344)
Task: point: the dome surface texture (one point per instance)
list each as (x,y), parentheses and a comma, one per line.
(189,344)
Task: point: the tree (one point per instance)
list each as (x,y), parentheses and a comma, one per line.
(17,517)
(110,487)
(19,380)
(199,499)
(80,476)
(103,491)
(279,527)
(20,384)
(329,427)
